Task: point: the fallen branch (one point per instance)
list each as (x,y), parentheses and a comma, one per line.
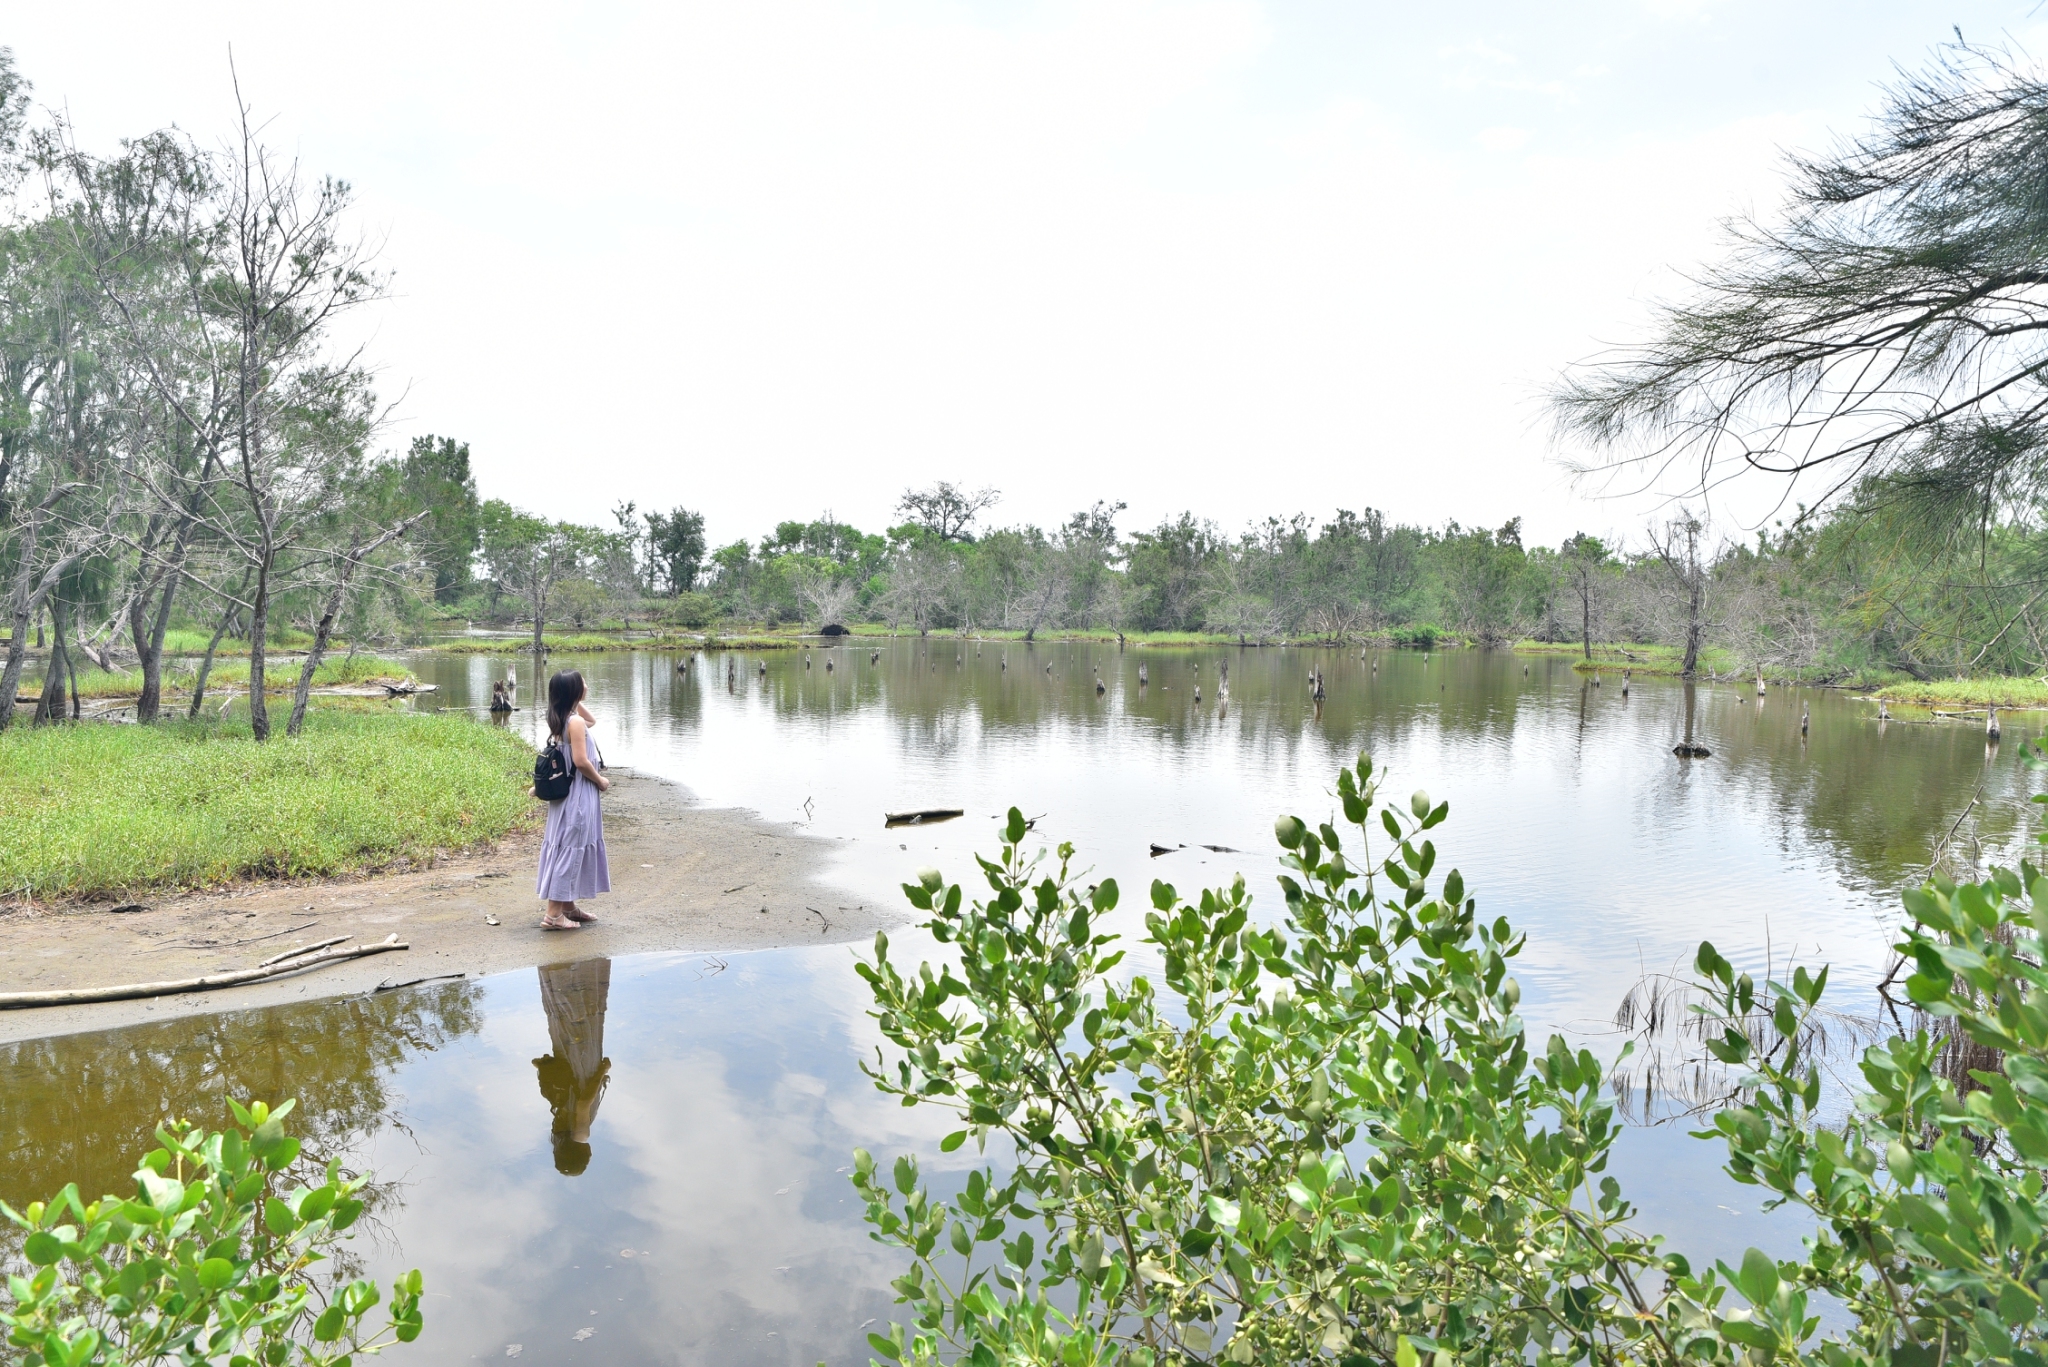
(11,1001)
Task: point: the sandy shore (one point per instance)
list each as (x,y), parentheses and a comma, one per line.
(684,877)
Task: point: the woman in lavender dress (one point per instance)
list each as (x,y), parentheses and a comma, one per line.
(572,857)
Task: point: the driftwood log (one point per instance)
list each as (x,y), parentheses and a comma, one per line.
(290,963)
(921,815)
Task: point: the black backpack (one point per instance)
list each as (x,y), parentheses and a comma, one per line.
(552,773)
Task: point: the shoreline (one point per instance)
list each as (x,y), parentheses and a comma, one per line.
(685,878)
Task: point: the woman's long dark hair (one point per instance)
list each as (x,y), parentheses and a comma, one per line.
(565,690)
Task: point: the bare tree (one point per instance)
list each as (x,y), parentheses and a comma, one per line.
(1046,592)
(946,510)
(827,599)
(1676,546)
(923,581)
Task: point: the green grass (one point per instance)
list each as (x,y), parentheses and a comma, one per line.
(94,810)
(179,641)
(1643,659)
(279,676)
(1992,692)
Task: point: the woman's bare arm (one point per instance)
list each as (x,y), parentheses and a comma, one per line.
(579,752)
(584,713)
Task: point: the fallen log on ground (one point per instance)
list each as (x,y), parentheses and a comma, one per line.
(72,996)
(922,815)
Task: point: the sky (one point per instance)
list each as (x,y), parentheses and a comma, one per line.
(774,260)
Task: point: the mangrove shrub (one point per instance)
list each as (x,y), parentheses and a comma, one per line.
(212,1260)
(1332,1139)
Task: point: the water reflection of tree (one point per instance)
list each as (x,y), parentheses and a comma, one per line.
(83,1108)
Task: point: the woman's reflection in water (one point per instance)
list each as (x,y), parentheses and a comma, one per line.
(572,1078)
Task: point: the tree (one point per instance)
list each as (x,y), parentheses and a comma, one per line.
(825,597)
(946,510)
(531,556)
(1087,548)
(675,545)
(1683,590)
(436,477)
(1891,321)
(1167,566)
(923,581)
(364,543)
(1585,562)
(1479,571)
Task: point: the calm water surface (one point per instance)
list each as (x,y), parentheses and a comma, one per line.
(652,1149)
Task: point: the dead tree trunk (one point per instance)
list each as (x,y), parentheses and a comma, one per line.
(227,619)
(325,630)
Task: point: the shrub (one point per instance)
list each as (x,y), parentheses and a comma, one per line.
(692,610)
(210,1261)
(1416,636)
(1331,1140)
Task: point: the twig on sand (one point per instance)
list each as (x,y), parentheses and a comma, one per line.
(302,949)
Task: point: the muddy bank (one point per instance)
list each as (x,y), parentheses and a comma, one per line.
(684,878)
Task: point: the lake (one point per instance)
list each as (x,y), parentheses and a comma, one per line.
(653,1149)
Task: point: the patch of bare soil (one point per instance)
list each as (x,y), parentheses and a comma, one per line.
(684,878)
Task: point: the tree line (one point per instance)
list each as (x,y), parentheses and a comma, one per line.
(190,454)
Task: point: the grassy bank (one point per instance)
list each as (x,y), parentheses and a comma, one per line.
(1667,662)
(279,676)
(1993,692)
(88,810)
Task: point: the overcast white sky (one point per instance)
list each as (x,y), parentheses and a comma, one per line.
(767,259)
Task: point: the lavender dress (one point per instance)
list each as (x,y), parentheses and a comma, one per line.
(572,857)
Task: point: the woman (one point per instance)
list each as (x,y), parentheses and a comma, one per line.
(572,857)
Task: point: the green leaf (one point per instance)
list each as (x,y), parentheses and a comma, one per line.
(1405,1354)
(215,1274)
(327,1328)
(1758,1281)
(1749,1334)
(42,1248)
(952,1141)
(884,1347)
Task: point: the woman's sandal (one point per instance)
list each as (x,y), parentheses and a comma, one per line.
(546,924)
(580,916)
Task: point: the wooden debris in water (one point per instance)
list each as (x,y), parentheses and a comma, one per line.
(921,815)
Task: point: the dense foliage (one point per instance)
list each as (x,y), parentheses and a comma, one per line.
(214,1259)
(1331,1139)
